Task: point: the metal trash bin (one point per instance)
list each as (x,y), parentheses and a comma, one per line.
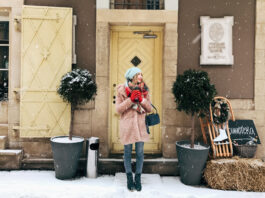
(92,146)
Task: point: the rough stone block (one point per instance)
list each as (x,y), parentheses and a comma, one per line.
(259,56)
(101,132)
(260,71)
(259,88)
(260,16)
(102,43)
(168,84)
(100,114)
(242,104)
(259,28)
(169,101)
(88,106)
(3,131)
(171,38)
(103,149)
(10,159)
(169,150)
(173,134)
(83,129)
(260,41)
(37,149)
(13,115)
(171,27)
(176,118)
(82,116)
(170,67)
(259,102)
(137,16)
(2,142)
(3,112)
(171,52)
(257,116)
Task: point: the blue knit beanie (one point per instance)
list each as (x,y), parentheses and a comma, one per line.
(131,73)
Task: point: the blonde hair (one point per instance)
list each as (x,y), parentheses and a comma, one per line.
(134,81)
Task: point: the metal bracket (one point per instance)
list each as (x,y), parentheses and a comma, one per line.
(17,23)
(31,128)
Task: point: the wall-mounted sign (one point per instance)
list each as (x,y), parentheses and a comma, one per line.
(243,131)
(216,41)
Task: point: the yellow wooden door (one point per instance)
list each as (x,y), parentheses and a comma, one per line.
(127,47)
(45,57)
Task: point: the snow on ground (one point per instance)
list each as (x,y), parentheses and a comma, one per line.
(43,184)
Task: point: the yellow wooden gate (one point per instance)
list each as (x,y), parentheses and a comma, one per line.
(45,57)
(127,48)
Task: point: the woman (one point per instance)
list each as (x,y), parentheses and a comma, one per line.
(132,103)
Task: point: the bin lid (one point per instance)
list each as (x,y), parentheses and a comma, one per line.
(93,139)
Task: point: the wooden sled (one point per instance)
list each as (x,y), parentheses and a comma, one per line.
(218,149)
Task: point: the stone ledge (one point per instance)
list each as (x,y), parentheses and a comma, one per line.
(10,159)
(110,166)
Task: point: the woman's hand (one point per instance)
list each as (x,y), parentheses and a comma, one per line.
(139,95)
(136,96)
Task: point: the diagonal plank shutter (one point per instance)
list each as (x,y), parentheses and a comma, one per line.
(45,57)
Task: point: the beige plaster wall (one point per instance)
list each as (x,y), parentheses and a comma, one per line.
(107,18)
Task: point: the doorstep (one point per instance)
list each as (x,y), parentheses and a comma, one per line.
(161,166)
(110,166)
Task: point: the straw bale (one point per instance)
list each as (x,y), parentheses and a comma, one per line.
(242,174)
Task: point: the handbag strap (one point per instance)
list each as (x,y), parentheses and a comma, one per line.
(154,107)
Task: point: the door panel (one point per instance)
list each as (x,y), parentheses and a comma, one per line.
(45,58)
(125,45)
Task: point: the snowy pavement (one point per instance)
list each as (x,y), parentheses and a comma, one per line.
(43,184)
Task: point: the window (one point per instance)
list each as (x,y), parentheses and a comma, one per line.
(4,56)
(137,4)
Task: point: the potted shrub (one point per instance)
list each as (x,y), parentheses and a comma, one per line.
(193,93)
(77,87)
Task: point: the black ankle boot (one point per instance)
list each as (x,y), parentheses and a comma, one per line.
(130,184)
(137,179)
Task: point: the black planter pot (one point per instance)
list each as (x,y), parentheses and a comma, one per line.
(191,162)
(66,156)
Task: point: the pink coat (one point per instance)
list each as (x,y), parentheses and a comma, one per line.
(132,123)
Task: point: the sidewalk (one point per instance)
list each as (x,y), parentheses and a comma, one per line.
(43,184)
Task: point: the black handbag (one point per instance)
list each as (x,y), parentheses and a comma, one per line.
(152,119)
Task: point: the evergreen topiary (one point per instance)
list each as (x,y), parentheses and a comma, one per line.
(77,87)
(193,94)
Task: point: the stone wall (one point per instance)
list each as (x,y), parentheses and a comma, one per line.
(93,118)
(259,114)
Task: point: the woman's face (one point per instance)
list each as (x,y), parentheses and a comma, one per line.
(138,78)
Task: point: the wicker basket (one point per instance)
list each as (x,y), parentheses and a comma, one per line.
(247,151)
